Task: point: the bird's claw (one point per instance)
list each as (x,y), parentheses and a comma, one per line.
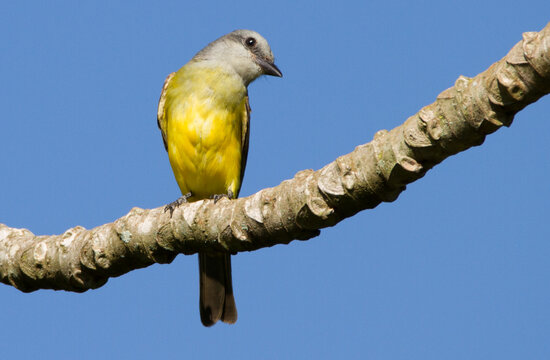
(173,205)
(217,197)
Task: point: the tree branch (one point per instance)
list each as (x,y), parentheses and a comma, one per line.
(460,118)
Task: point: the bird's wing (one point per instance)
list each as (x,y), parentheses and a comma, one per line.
(244,137)
(161,121)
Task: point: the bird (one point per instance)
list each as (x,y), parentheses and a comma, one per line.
(204,118)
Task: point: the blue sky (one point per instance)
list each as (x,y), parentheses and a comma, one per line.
(456,268)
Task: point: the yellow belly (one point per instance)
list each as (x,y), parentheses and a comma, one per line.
(204,140)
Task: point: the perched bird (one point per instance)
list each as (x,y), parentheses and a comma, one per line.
(204,118)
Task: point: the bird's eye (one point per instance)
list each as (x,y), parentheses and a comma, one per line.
(250,42)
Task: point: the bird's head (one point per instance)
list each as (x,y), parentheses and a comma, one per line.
(245,51)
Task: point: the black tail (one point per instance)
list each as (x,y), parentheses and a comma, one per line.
(216,289)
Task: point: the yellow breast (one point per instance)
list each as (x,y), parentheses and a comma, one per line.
(204,111)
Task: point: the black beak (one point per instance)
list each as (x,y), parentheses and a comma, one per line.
(269,68)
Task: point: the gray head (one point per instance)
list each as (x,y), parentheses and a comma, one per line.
(245,51)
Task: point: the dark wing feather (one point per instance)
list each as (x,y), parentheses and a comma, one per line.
(245,136)
(161,121)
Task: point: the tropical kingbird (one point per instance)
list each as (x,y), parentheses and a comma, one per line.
(204,118)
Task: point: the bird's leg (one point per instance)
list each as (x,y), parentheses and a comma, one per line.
(173,205)
(217,197)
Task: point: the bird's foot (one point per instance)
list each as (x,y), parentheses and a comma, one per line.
(217,197)
(173,205)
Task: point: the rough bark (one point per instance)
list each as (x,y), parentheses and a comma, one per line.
(460,118)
